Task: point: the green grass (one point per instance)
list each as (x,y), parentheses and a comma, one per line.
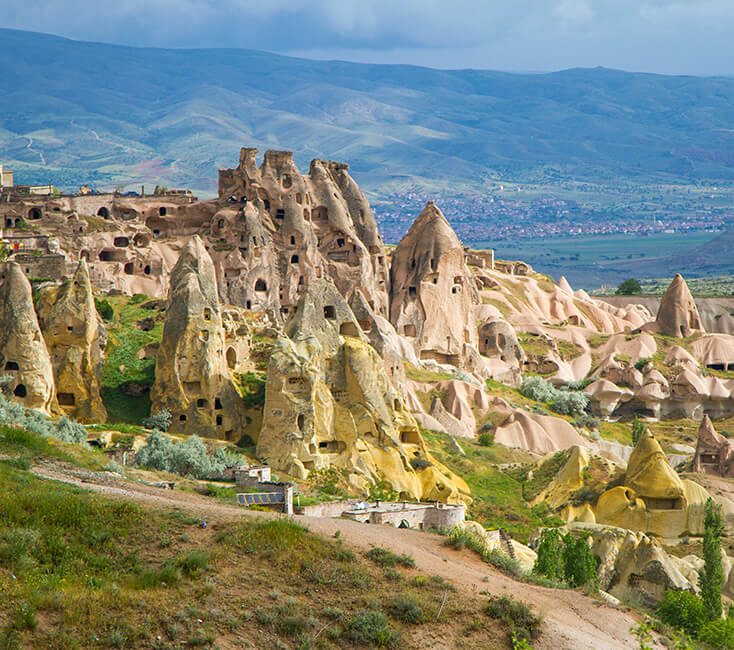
(94,572)
(498,496)
(122,365)
(418,374)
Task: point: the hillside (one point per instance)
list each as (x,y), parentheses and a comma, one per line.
(74,112)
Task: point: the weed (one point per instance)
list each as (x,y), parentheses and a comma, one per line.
(386,558)
(405,609)
(372,628)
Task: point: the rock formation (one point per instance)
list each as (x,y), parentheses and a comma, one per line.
(633,566)
(653,498)
(678,315)
(329,403)
(714,452)
(75,338)
(23,354)
(290,229)
(193,378)
(433,292)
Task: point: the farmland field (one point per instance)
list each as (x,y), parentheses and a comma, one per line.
(590,261)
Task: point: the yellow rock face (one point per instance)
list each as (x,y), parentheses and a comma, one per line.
(329,403)
(75,338)
(653,498)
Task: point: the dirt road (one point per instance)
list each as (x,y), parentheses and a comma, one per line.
(572,620)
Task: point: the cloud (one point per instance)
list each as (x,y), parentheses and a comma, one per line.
(654,35)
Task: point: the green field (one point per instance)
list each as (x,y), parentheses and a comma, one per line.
(590,261)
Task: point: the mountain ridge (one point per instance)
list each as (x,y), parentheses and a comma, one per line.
(96,111)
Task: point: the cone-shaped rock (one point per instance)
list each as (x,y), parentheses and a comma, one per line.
(23,354)
(714,452)
(678,315)
(329,403)
(75,338)
(432,290)
(649,473)
(192,378)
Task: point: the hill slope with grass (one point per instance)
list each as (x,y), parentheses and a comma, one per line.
(74,112)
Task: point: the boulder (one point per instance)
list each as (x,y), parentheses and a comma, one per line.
(76,338)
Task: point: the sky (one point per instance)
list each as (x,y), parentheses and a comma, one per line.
(664,36)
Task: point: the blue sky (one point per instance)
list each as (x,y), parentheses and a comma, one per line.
(667,36)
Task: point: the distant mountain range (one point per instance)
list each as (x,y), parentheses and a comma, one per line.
(72,112)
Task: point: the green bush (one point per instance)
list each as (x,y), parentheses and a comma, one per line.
(642,362)
(372,629)
(104,309)
(638,428)
(565,402)
(711,576)
(160,420)
(682,609)
(386,558)
(188,458)
(194,562)
(405,609)
(516,615)
(719,633)
(420,463)
(169,575)
(579,565)
(486,439)
(550,554)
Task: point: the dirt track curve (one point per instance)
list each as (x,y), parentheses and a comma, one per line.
(572,620)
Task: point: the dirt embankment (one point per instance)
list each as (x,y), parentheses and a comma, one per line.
(572,620)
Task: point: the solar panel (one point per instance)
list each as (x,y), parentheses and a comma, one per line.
(260,498)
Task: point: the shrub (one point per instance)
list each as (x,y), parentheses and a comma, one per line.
(385,558)
(538,389)
(638,428)
(719,633)
(550,554)
(405,609)
(160,420)
(579,565)
(565,402)
(630,287)
(642,362)
(194,562)
(420,463)
(515,614)
(373,629)
(569,402)
(104,309)
(682,609)
(69,431)
(188,458)
(169,575)
(486,439)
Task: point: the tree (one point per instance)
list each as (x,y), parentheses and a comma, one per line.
(629,288)
(711,576)
(550,554)
(579,564)
(638,428)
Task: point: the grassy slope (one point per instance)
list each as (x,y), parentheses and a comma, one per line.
(122,365)
(498,497)
(78,570)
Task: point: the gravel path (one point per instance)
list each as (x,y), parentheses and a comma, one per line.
(572,620)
